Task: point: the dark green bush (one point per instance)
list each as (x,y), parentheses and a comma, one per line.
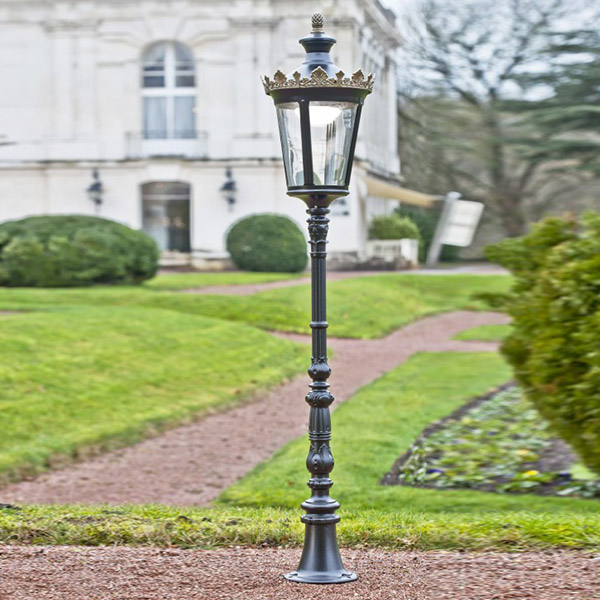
(393,227)
(271,243)
(73,250)
(426,221)
(555,306)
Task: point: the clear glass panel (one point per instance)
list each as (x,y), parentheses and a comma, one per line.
(154,66)
(185,117)
(155,118)
(154,82)
(331,127)
(155,222)
(183,54)
(185,67)
(288,116)
(185,80)
(166,214)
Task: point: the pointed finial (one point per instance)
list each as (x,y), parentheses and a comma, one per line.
(317,23)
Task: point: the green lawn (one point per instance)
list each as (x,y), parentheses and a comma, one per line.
(264,507)
(485,333)
(90,369)
(365,307)
(185,281)
(93,377)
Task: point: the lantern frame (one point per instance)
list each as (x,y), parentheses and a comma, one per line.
(318,79)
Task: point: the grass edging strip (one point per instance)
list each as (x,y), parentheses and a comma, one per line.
(163,526)
(484,333)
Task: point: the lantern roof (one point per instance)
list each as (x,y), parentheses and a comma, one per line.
(318,70)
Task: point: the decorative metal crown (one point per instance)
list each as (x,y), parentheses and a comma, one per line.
(318,78)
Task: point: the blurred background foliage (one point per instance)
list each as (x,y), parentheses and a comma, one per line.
(500,100)
(393,227)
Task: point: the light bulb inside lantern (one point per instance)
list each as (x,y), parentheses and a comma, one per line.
(321,116)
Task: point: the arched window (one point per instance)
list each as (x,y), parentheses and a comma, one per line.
(169,92)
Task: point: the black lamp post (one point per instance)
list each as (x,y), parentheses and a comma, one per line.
(229,189)
(95,191)
(318,109)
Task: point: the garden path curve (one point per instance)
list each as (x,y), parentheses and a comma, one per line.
(248,289)
(192,464)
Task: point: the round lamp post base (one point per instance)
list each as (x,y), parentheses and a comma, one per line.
(321,577)
(321,561)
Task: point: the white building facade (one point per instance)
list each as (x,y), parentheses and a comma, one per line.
(163,98)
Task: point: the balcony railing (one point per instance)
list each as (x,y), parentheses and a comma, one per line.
(187,144)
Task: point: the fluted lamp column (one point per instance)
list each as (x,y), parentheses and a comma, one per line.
(318,111)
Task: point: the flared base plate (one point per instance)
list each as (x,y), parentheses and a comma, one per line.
(321,578)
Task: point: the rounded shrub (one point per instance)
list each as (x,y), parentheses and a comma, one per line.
(73,250)
(393,227)
(266,243)
(555,306)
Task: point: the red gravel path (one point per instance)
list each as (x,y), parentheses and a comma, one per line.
(60,573)
(191,465)
(254,288)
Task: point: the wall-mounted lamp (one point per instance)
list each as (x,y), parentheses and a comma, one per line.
(229,189)
(95,191)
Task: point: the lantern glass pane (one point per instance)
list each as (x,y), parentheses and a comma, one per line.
(331,127)
(288,116)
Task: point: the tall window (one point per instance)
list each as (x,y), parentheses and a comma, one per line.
(169,92)
(166,214)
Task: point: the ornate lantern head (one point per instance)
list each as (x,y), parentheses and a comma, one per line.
(318,109)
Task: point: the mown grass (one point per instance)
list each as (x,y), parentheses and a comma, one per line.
(376,426)
(85,378)
(90,368)
(230,526)
(263,507)
(365,307)
(116,352)
(185,281)
(485,333)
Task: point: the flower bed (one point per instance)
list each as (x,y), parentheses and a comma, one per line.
(497,443)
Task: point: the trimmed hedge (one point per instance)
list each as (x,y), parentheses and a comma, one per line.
(74,250)
(554,346)
(393,227)
(268,243)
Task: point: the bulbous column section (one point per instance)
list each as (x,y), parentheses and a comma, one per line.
(321,561)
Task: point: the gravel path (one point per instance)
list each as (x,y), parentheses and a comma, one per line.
(191,465)
(60,573)
(254,288)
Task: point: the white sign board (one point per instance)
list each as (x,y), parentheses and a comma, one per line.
(462,223)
